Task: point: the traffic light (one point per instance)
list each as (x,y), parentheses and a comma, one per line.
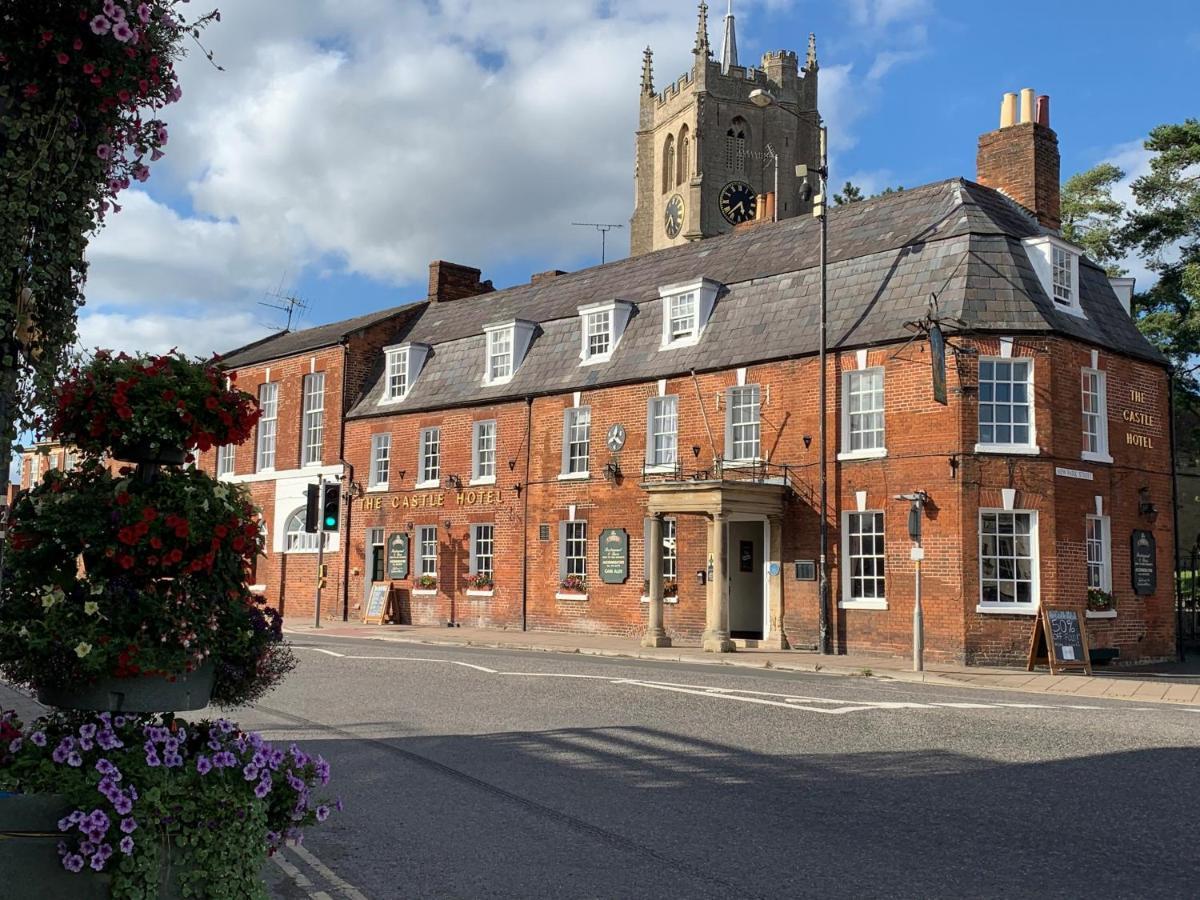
(312,513)
(322,575)
(331,513)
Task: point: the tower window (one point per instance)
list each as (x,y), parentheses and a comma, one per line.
(669,163)
(736,139)
(684,168)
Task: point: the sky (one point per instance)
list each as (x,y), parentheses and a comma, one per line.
(347,143)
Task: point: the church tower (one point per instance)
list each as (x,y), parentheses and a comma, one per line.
(705,148)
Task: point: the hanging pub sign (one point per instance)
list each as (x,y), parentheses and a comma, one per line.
(1059,640)
(614,555)
(397,556)
(937,354)
(1143,562)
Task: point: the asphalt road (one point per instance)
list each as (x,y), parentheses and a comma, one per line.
(486,773)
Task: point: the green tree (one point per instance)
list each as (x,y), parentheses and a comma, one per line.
(851,193)
(1092,217)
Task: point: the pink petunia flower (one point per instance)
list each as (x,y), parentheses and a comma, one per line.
(162,135)
(101,25)
(63,59)
(122,32)
(143,13)
(104,151)
(141,173)
(156,155)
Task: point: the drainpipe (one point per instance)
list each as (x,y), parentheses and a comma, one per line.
(1176,583)
(525,517)
(348,503)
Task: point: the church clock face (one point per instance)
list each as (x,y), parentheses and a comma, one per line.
(673,220)
(738,202)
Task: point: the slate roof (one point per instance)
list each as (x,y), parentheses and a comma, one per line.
(289,343)
(954,238)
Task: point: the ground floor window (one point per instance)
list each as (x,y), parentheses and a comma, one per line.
(482,549)
(1008,560)
(427,549)
(296,539)
(1099,566)
(864,558)
(572,553)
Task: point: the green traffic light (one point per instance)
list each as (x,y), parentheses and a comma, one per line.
(330,521)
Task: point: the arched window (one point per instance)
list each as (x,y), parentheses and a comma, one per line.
(295,538)
(684,169)
(736,140)
(669,163)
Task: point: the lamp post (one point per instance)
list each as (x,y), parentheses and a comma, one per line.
(763,99)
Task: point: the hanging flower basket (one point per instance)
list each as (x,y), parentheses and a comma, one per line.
(136,694)
(147,452)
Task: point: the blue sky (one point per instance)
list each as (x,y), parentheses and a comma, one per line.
(349,142)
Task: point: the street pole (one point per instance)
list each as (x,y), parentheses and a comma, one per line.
(821,400)
(320,549)
(918,554)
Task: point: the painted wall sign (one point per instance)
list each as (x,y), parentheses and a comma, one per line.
(614,555)
(397,556)
(1143,558)
(472,497)
(1073,473)
(1131,415)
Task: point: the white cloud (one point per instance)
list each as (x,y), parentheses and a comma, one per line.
(196,335)
(1133,159)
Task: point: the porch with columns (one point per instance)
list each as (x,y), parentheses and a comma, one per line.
(719,502)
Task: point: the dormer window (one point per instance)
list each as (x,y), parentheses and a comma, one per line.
(505,346)
(602,325)
(402,365)
(685,312)
(1057,266)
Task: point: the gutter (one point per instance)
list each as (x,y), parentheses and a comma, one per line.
(525,517)
(348,505)
(1177,584)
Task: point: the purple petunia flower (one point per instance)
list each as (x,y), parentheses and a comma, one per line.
(126,845)
(203,765)
(73,862)
(262,788)
(100,25)
(15,744)
(87,731)
(122,32)
(152,760)
(129,825)
(143,13)
(105,767)
(97,863)
(122,804)
(322,813)
(38,738)
(65,823)
(74,759)
(249,772)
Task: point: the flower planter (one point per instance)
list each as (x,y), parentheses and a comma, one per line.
(30,868)
(143,452)
(144,694)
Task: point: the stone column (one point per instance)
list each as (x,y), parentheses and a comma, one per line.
(778,637)
(656,635)
(716,632)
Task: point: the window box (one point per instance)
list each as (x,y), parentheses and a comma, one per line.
(474,592)
(862,604)
(1101,601)
(852,455)
(573,584)
(422,592)
(1101,614)
(482,582)
(1007,610)
(569,595)
(427,582)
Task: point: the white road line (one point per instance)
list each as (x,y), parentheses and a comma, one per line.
(298,878)
(445,662)
(743,699)
(342,886)
(322,650)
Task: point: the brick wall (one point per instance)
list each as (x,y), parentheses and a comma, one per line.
(1023,161)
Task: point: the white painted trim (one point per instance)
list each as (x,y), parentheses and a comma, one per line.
(487,479)
(1101,614)
(862,604)
(282,474)
(424,592)
(377,489)
(1095,359)
(1009,609)
(574,476)
(662,387)
(426,485)
(472,592)
(1095,457)
(851,455)
(1040,251)
(571,513)
(1009,498)
(575,398)
(860,358)
(860,500)
(1006,345)
(674,599)
(1030,609)
(1013,449)
(560,595)
(1099,505)
(741,376)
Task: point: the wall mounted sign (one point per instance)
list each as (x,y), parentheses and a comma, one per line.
(937,359)
(431,500)
(806,570)
(1143,558)
(773,569)
(616,438)
(1081,474)
(614,555)
(397,556)
(1135,416)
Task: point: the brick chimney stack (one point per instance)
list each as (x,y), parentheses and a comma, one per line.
(450,281)
(1020,158)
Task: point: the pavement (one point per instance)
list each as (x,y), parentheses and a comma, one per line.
(1164,684)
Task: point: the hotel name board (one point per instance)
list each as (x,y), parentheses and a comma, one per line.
(432,499)
(1133,416)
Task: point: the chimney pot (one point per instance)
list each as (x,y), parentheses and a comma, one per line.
(1026,105)
(1008,110)
(769,215)
(1042,117)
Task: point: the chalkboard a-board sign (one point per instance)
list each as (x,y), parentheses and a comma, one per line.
(614,555)
(1143,558)
(397,556)
(1059,640)
(378,603)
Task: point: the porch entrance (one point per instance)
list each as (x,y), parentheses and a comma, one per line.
(747,590)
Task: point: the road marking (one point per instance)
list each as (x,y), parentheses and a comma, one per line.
(343,887)
(823,705)
(301,880)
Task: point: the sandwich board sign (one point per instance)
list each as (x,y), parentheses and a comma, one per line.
(1059,640)
(379,604)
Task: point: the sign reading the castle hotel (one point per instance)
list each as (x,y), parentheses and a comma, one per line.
(434,500)
(1135,416)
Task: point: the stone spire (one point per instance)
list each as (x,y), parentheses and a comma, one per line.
(648,71)
(702,48)
(811,62)
(729,45)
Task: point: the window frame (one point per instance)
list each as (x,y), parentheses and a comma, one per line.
(565,539)
(731,438)
(422,557)
(1103,541)
(395,373)
(1051,256)
(312,420)
(264,434)
(670,560)
(477,433)
(571,416)
(426,478)
(1015,608)
(1027,449)
(847,417)
(475,556)
(653,404)
(705,295)
(226,460)
(1102,452)
(1062,292)
(380,441)
(494,352)
(847,576)
(297,540)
